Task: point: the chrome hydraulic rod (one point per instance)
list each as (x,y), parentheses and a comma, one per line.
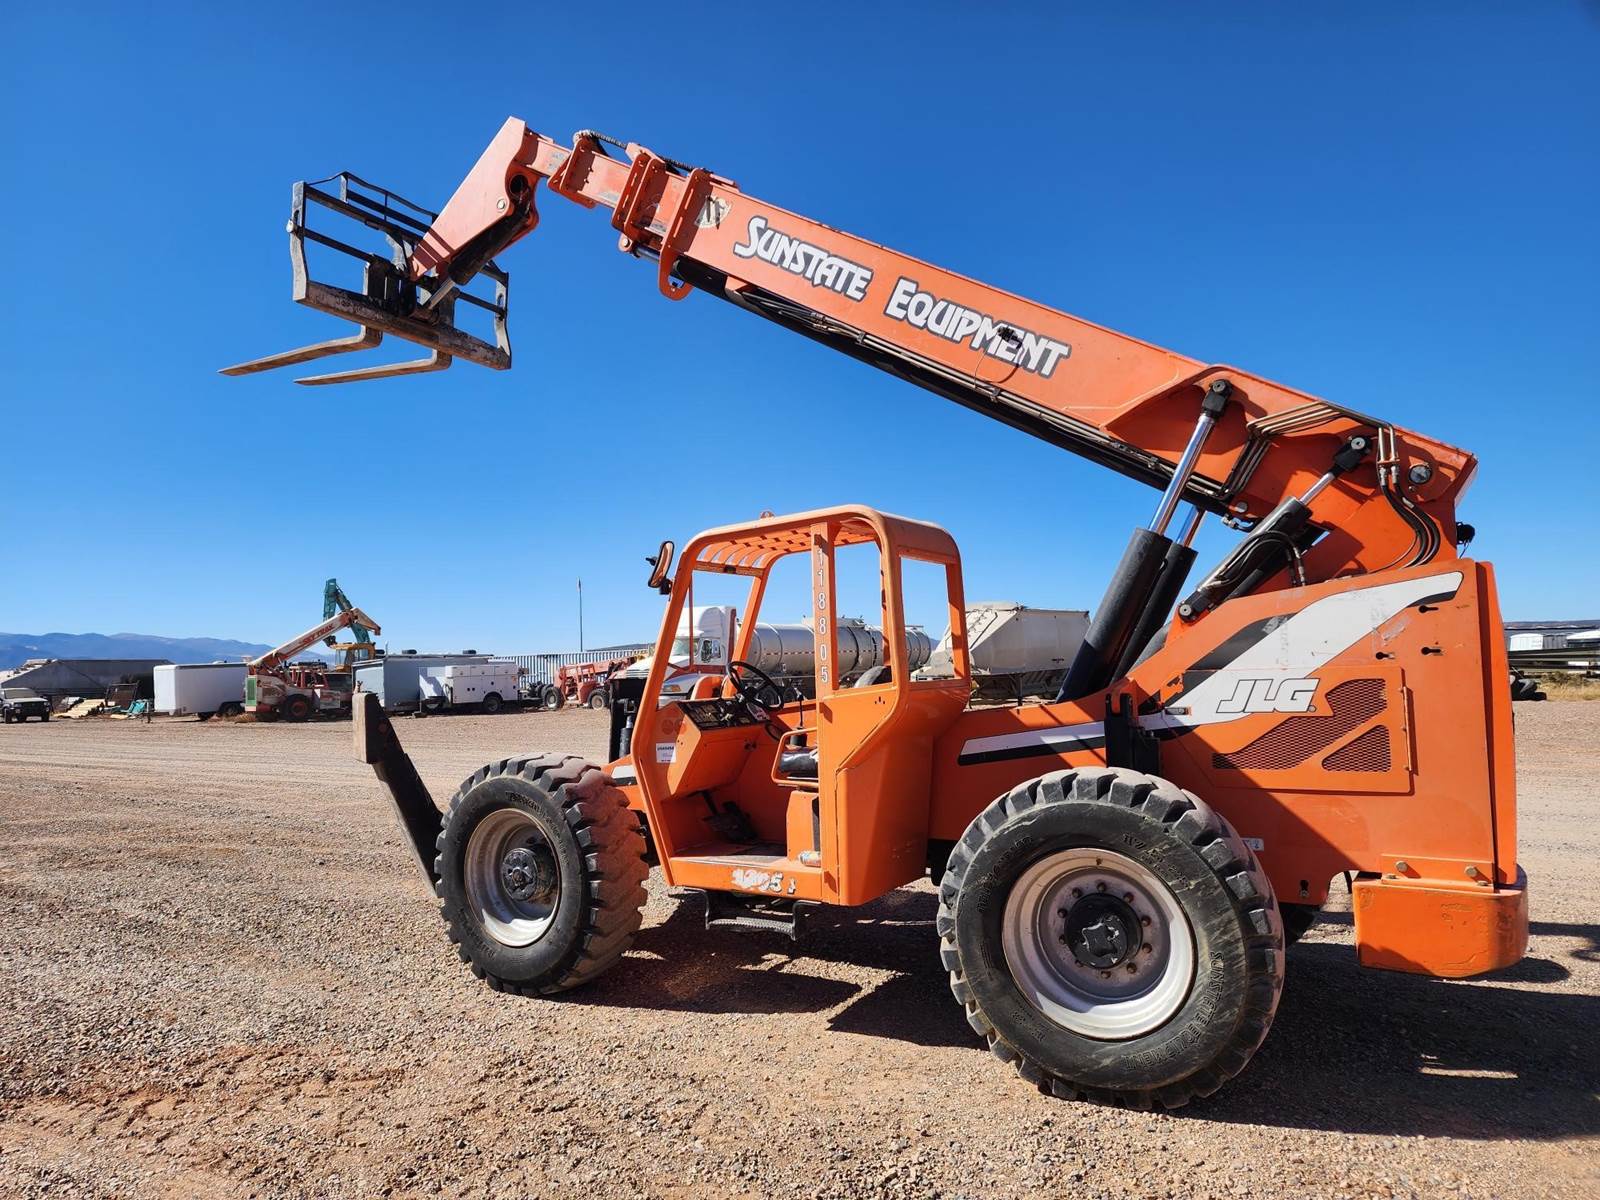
(1196,516)
(1211,407)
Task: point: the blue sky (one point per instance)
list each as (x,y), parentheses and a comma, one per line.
(1392,209)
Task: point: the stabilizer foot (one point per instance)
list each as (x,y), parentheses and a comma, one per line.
(377,745)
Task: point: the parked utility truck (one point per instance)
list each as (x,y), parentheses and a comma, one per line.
(487,686)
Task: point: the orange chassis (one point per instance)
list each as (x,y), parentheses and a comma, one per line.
(1290,712)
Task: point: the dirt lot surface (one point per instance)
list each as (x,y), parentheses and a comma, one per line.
(222,976)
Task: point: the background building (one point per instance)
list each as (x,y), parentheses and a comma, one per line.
(57,678)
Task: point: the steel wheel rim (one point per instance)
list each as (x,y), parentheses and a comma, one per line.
(1107,1005)
(508,919)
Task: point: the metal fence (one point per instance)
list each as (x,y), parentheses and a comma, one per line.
(541,668)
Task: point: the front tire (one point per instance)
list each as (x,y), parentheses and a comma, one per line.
(1112,937)
(490,704)
(554,698)
(541,871)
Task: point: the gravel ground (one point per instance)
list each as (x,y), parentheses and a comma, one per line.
(222,976)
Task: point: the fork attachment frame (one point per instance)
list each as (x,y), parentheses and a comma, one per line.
(389,301)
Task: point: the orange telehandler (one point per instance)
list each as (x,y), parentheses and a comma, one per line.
(1118,870)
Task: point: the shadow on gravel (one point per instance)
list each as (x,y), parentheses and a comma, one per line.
(1589,934)
(1351,1050)
(681,966)
(1361,1051)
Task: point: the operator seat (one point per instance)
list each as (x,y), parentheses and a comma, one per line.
(800,763)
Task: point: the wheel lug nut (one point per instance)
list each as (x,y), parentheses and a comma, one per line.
(1062,913)
(1105,974)
(1144,921)
(1076,892)
(1127,897)
(1145,949)
(1132,968)
(1100,887)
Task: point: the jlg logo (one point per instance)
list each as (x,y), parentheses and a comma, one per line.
(1269,694)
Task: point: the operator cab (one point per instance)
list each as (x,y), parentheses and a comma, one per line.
(794,789)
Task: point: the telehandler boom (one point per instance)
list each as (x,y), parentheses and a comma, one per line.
(1118,870)
(270,686)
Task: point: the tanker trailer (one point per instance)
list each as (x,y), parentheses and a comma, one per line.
(786,652)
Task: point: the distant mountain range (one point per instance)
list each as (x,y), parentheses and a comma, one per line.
(16,648)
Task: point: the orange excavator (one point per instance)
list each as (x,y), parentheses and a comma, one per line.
(1118,870)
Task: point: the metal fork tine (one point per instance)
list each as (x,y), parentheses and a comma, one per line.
(390,300)
(437,361)
(364,340)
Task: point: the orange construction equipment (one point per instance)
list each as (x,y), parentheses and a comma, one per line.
(1118,870)
(583,683)
(275,686)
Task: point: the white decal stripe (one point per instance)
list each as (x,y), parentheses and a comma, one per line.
(1033,737)
(1307,641)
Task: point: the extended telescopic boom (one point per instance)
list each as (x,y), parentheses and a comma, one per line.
(1331,490)
(276,657)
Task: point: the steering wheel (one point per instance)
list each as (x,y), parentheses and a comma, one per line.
(754,688)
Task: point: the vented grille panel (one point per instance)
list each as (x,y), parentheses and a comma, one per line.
(1369,752)
(1350,704)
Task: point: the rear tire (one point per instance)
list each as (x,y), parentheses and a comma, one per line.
(541,871)
(600,698)
(295,708)
(1174,893)
(231,709)
(491,703)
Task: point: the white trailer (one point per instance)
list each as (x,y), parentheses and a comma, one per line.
(1016,651)
(200,689)
(488,685)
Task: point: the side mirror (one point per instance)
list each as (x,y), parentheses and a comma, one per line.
(661,568)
